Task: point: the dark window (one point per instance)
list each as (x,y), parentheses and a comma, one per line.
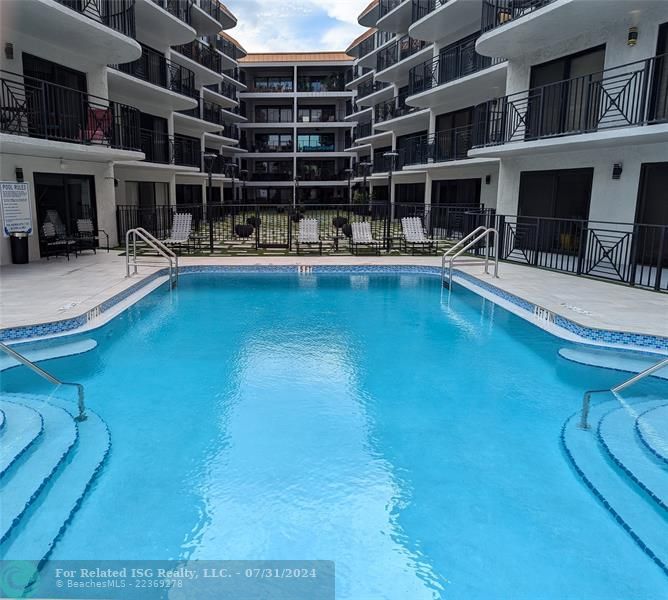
(563,194)
(315,142)
(188,194)
(273,142)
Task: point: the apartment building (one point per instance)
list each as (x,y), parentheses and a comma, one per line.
(108,104)
(546,109)
(296,131)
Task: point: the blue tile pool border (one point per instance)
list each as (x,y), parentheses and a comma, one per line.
(590,334)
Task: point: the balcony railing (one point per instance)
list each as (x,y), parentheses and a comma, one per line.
(330,116)
(118,15)
(154,68)
(212,7)
(392,109)
(454,62)
(272,176)
(226,47)
(321,175)
(202,54)
(444,146)
(158,147)
(370,87)
(629,95)
(367,46)
(499,12)
(212,112)
(421,8)
(387,6)
(36,108)
(179,8)
(363,130)
(398,51)
(187,151)
(330,84)
(228,90)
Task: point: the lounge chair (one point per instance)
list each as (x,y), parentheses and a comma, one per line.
(88,238)
(362,237)
(308,234)
(180,234)
(415,236)
(52,244)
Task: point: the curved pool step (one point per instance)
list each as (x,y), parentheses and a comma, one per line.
(24,480)
(617,436)
(613,488)
(652,429)
(2,420)
(22,428)
(48,516)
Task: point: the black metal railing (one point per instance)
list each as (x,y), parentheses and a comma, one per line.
(211,112)
(392,108)
(324,116)
(369,87)
(179,8)
(329,84)
(118,15)
(154,68)
(202,54)
(363,130)
(443,146)
(367,46)
(228,90)
(628,95)
(421,8)
(387,6)
(454,62)
(187,151)
(630,253)
(499,12)
(36,108)
(398,51)
(212,7)
(226,47)
(158,147)
(277,176)
(195,112)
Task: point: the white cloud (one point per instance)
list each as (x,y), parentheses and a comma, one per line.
(296,25)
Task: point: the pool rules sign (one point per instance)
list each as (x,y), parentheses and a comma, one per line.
(16,213)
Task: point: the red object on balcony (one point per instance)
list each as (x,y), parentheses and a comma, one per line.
(98,127)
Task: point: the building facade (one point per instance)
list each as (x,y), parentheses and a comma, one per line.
(112,103)
(296,131)
(549,109)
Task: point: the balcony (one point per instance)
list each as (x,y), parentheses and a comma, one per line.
(181,9)
(392,109)
(164,22)
(202,55)
(187,151)
(366,89)
(322,116)
(459,61)
(444,146)
(38,109)
(496,13)
(394,62)
(363,130)
(157,147)
(434,20)
(207,17)
(98,31)
(629,96)
(333,83)
(155,69)
(394,15)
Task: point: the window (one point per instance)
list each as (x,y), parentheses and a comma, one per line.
(315,142)
(273,142)
(273,114)
(274,84)
(316,114)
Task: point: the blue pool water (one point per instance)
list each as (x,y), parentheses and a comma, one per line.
(353,418)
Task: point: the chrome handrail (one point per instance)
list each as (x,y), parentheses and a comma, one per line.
(157,245)
(456,246)
(586,398)
(50,378)
(484,235)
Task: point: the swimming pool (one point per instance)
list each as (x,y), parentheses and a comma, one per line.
(349,417)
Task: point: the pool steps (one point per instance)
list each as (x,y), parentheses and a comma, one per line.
(612,463)
(650,426)
(23,426)
(49,483)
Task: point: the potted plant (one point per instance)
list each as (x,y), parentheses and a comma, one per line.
(243,231)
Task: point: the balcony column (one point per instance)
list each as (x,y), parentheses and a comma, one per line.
(97,82)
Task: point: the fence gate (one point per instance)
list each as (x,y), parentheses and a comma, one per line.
(273,227)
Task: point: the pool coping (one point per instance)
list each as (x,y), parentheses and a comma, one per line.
(550,321)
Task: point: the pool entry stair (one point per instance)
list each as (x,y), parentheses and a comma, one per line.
(48,461)
(619,448)
(136,239)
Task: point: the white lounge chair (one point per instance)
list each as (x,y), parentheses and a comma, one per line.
(362,237)
(180,234)
(414,234)
(308,234)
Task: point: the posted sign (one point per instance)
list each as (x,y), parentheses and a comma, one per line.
(16,213)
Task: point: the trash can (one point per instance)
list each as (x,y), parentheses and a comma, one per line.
(19,245)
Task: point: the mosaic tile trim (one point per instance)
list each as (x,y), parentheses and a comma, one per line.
(643,439)
(622,466)
(594,490)
(604,336)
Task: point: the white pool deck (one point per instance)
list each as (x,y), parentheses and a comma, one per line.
(51,290)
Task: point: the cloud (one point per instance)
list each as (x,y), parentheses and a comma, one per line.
(296,25)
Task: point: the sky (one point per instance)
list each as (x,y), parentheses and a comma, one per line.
(295,25)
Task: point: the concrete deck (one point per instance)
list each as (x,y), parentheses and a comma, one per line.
(57,289)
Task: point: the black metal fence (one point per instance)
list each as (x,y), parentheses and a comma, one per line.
(115,14)
(202,54)
(36,108)
(499,12)
(398,51)
(627,253)
(452,144)
(631,94)
(179,8)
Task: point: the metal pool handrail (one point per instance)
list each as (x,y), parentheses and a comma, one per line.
(50,378)
(586,398)
(483,236)
(456,247)
(157,245)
